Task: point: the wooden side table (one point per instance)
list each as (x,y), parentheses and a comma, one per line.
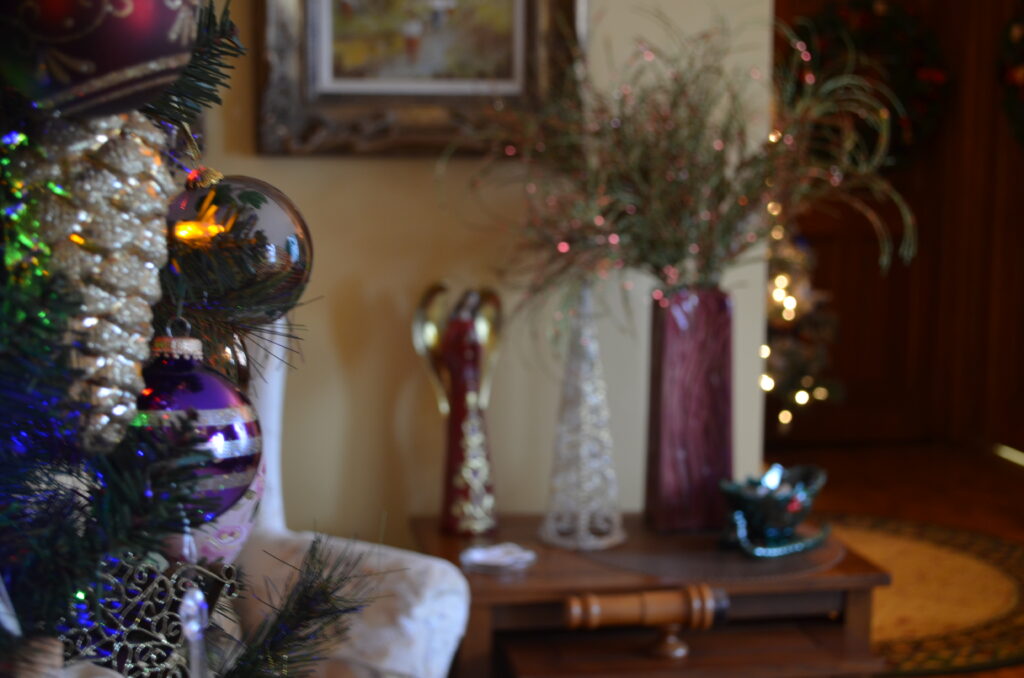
(812,623)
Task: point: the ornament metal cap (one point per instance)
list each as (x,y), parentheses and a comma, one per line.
(178,347)
(202,177)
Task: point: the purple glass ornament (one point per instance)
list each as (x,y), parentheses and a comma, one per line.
(176,383)
(113,57)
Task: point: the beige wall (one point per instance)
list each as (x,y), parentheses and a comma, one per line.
(363,439)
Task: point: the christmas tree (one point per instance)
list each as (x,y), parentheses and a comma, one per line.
(120,451)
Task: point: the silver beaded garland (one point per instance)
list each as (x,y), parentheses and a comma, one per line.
(100,190)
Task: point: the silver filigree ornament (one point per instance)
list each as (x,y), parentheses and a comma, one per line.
(583,512)
(100,191)
(138,616)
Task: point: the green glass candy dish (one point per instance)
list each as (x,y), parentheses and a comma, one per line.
(765,512)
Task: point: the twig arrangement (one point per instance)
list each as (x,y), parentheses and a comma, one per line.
(658,172)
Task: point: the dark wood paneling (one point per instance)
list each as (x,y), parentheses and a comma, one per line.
(929,351)
(1004,388)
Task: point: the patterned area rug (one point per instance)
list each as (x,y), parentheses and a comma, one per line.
(956,602)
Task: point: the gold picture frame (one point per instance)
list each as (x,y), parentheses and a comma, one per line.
(313,100)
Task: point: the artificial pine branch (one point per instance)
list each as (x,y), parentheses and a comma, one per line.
(35,308)
(34,370)
(206,73)
(313,615)
(60,516)
(62,511)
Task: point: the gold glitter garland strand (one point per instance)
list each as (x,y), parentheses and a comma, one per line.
(100,191)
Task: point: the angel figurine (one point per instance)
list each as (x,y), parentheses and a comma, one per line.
(460,348)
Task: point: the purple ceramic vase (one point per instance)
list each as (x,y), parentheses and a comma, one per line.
(690,426)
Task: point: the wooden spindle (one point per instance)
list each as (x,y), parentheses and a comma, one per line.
(695,607)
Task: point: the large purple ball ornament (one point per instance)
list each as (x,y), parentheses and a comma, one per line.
(95,58)
(177,383)
(206,221)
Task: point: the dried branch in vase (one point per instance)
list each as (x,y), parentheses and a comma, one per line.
(658,172)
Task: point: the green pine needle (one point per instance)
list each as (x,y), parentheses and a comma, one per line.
(313,616)
(198,87)
(61,515)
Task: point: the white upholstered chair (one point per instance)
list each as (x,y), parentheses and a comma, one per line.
(420,603)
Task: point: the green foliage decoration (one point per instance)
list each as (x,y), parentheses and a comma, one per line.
(207,72)
(61,514)
(892,47)
(313,614)
(658,173)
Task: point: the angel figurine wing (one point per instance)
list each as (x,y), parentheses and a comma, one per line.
(427,331)
(487,323)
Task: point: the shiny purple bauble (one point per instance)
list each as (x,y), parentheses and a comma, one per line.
(177,383)
(85,59)
(240,209)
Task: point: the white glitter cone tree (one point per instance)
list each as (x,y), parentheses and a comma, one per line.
(100,191)
(583,510)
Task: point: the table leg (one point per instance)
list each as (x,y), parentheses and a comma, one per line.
(474,658)
(857,622)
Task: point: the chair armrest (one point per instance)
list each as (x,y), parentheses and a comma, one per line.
(416,617)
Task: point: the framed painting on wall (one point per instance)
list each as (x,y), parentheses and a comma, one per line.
(392,76)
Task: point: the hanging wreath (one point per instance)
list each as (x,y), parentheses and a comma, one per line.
(894,48)
(1013,71)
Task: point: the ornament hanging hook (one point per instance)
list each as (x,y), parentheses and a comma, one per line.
(178,322)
